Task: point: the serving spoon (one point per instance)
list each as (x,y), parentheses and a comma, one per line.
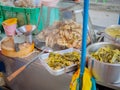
(17,72)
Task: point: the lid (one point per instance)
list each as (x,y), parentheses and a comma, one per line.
(10,21)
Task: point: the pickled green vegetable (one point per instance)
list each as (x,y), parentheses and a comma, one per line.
(114,31)
(107,55)
(57,61)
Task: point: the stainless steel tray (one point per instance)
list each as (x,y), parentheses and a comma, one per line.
(43,58)
(39,44)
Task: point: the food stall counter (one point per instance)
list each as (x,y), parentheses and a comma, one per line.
(36,77)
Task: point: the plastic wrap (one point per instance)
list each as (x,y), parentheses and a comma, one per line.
(65,34)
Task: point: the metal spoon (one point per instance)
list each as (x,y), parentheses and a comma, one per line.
(17,72)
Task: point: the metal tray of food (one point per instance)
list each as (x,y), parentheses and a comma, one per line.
(43,59)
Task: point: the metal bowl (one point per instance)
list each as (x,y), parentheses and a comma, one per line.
(104,72)
(111,38)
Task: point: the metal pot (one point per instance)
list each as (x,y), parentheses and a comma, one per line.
(104,72)
(112,38)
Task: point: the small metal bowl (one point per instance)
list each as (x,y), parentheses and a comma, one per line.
(104,72)
(112,38)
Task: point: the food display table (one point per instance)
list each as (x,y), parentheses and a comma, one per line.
(36,77)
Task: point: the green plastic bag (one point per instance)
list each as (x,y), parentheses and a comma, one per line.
(49,16)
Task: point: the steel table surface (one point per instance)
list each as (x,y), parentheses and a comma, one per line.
(36,77)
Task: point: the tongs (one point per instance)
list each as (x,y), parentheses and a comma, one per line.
(104,35)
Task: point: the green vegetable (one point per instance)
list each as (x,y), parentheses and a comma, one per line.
(57,61)
(107,55)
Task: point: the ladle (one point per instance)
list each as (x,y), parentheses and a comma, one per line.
(17,72)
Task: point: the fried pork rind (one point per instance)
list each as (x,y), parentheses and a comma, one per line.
(66,33)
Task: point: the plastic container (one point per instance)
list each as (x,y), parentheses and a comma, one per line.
(9,26)
(70,19)
(30,16)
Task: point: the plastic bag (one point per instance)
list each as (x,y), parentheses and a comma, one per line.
(50,3)
(88,82)
(7,2)
(27,3)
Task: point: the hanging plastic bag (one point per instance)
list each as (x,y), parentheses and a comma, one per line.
(50,3)
(88,82)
